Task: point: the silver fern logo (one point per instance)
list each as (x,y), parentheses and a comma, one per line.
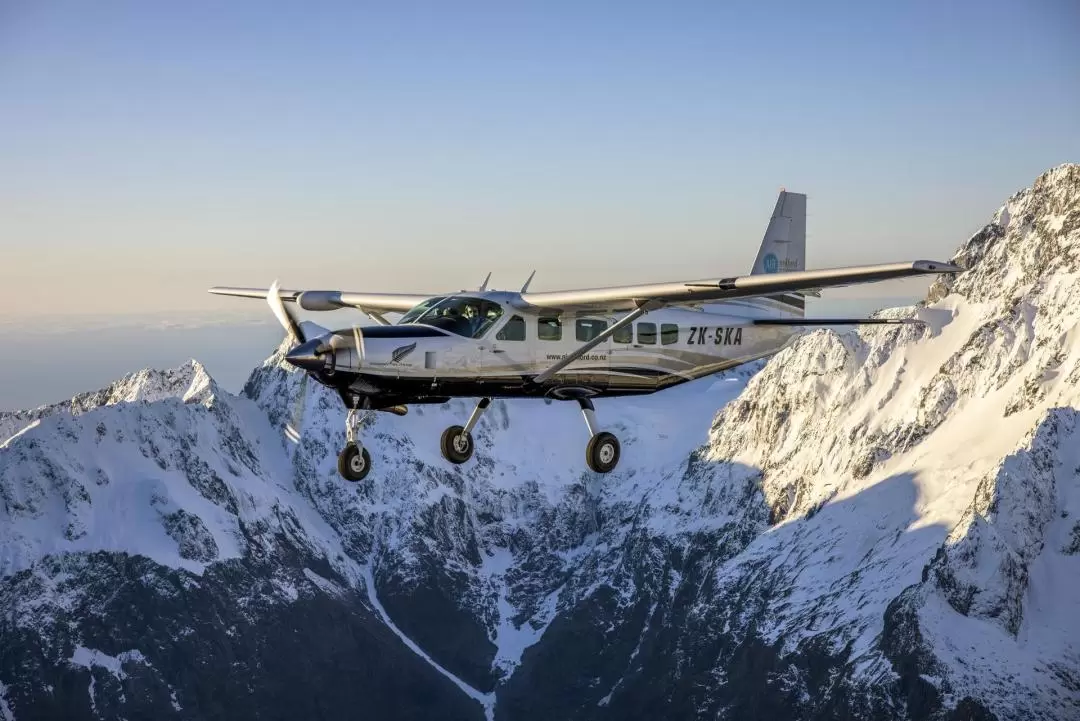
(400,353)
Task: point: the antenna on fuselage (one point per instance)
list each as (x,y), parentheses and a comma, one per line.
(526,286)
(483,286)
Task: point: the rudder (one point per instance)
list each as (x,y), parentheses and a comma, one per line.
(783,248)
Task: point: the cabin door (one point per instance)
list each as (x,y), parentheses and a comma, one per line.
(510,350)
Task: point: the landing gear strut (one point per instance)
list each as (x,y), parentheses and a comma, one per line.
(457,441)
(602,453)
(354,461)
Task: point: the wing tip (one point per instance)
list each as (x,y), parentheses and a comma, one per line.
(246,292)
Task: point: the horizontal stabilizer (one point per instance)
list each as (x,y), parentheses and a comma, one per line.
(838,321)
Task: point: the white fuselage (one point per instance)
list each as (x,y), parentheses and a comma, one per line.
(659,349)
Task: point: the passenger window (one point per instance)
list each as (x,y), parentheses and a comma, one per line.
(624,334)
(589,328)
(513,330)
(549,328)
(669,333)
(646,333)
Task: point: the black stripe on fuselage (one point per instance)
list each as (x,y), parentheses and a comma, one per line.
(396,331)
(616,381)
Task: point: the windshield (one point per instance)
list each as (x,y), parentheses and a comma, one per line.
(469,317)
(418,310)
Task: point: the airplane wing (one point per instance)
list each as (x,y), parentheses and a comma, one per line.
(334,299)
(702,291)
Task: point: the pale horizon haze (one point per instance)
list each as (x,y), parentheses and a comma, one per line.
(152,150)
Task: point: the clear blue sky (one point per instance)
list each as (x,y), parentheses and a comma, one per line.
(153,149)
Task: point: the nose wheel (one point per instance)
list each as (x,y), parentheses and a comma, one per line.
(354,461)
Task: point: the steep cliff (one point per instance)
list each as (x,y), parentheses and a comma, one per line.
(883,523)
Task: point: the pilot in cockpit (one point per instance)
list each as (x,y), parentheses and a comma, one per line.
(472,319)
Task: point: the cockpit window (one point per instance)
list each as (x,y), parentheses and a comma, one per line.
(418,310)
(469,317)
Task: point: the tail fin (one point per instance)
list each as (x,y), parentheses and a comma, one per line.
(783,248)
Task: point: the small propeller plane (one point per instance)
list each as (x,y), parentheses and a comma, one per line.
(573,345)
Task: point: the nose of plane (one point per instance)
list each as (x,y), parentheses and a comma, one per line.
(307,355)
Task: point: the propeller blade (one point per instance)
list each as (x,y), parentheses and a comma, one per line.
(295,424)
(288,322)
(358,338)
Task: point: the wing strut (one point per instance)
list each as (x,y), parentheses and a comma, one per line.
(837,321)
(619,324)
(375,316)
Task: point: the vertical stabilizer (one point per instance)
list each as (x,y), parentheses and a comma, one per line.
(783,248)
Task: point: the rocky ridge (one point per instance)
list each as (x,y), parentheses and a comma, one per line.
(881,523)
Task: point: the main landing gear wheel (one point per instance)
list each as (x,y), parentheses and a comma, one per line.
(457,441)
(457,444)
(354,462)
(602,453)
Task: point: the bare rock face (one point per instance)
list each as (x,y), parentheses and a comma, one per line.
(193,540)
(877,524)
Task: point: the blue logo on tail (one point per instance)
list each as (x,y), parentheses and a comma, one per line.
(771,263)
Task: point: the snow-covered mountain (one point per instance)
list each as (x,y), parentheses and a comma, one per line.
(878,524)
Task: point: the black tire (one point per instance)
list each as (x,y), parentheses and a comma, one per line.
(602,453)
(354,463)
(457,446)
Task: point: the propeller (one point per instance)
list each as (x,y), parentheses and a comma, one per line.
(307,354)
(358,339)
(296,338)
(304,353)
(296,418)
(291,325)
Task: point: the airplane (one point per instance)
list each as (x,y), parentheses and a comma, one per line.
(572,345)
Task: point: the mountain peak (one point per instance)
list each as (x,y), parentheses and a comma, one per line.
(1031,239)
(874,524)
(190,382)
